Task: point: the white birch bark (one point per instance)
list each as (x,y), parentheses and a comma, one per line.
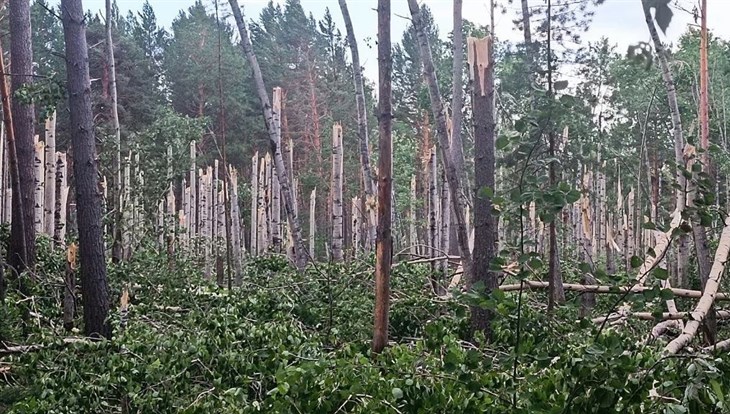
(40,177)
(412,233)
(253,224)
(312,223)
(49,198)
(337,219)
(434,204)
(59,231)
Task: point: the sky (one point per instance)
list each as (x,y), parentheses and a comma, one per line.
(622,21)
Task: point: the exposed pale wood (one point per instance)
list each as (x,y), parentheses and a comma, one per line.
(412,233)
(709,295)
(684,293)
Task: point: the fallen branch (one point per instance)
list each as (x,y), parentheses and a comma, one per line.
(719,346)
(684,293)
(708,296)
(649,316)
(21,349)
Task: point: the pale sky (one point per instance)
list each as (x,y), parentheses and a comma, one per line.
(621,21)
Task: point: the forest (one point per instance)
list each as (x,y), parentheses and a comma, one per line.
(228,214)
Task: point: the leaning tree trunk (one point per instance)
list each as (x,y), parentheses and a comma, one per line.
(384,239)
(17,201)
(21,55)
(94,288)
(117,203)
(362,120)
(481,63)
(458,197)
(294,225)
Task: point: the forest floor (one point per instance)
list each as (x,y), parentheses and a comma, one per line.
(286,342)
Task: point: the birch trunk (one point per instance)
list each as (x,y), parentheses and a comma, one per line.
(235,226)
(433,213)
(117,206)
(40,177)
(275,187)
(412,233)
(356,221)
(312,222)
(193,220)
(292,217)
(59,229)
(457,96)
(337,220)
(253,224)
(49,198)
(452,175)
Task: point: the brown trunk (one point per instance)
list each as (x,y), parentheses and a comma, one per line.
(384,240)
(485,224)
(94,288)
(21,55)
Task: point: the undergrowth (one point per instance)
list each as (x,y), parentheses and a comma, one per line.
(286,342)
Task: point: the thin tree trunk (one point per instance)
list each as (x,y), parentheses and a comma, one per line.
(253,224)
(59,230)
(457,97)
(17,237)
(384,239)
(312,223)
(94,288)
(117,206)
(40,176)
(481,62)
(362,120)
(458,199)
(556,293)
(337,220)
(295,227)
(49,198)
(23,123)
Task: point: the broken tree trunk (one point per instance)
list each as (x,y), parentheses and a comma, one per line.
(709,294)
(284,182)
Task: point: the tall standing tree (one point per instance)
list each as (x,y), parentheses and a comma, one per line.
(21,55)
(117,204)
(384,239)
(94,289)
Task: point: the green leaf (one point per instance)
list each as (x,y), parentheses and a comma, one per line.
(397,393)
(560,85)
(660,273)
(636,262)
(501,142)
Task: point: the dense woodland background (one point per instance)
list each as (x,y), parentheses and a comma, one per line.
(595,291)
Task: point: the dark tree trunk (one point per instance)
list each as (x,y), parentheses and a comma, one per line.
(485,224)
(384,240)
(21,56)
(94,289)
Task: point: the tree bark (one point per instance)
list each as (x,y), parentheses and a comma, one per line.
(86,173)
(384,239)
(49,198)
(362,119)
(117,206)
(337,219)
(481,63)
(708,295)
(21,54)
(458,197)
(457,97)
(294,225)
(17,247)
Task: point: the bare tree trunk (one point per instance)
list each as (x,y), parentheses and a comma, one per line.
(253,243)
(458,199)
(384,239)
(94,288)
(457,97)
(481,62)
(556,293)
(295,227)
(59,230)
(17,246)
(312,223)
(49,198)
(117,205)
(40,176)
(337,221)
(362,120)
(21,54)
